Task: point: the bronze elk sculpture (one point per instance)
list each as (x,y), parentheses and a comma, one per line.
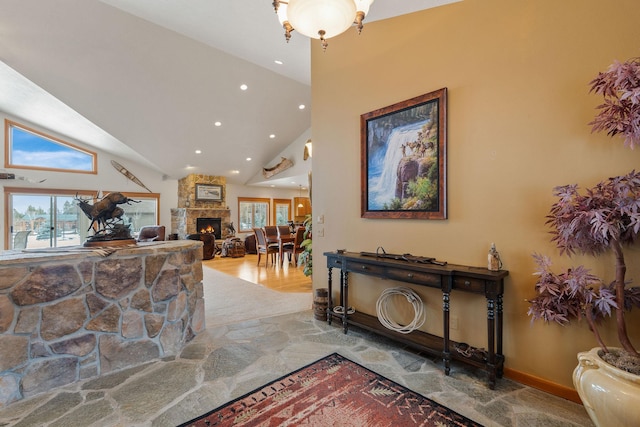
(107,215)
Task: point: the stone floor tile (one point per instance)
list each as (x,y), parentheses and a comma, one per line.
(113,379)
(52,409)
(199,401)
(85,415)
(422,382)
(541,419)
(149,393)
(498,411)
(228,361)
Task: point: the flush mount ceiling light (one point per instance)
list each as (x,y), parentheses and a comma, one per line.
(320,19)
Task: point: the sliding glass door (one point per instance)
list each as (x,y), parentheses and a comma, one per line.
(45,221)
(52,218)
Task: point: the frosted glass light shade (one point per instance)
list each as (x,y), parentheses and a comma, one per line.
(282,13)
(334,17)
(363,5)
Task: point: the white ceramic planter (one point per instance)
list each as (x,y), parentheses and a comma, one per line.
(610,395)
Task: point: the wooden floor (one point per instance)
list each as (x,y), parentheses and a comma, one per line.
(287,278)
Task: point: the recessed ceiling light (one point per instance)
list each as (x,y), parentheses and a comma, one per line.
(189,167)
(218,123)
(248,159)
(272,185)
(277,61)
(272,136)
(235,172)
(244,87)
(301,106)
(198,151)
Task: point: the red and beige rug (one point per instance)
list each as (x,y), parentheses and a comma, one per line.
(333,391)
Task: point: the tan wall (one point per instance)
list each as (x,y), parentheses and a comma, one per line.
(517,74)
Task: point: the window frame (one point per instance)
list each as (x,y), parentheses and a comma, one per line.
(8,150)
(254,201)
(141,195)
(280,202)
(9,191)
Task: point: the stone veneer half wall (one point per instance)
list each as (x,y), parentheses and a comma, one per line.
(68,316)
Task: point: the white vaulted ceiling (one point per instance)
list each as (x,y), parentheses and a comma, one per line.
(147,79)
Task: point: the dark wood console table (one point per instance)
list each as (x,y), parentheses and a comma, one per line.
(447,278)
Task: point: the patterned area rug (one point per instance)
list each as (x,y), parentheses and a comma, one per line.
(333,391)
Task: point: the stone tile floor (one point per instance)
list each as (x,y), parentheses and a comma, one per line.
(228,361)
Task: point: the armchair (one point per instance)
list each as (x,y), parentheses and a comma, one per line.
(150,233)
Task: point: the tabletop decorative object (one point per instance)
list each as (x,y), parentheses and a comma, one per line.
(106,220)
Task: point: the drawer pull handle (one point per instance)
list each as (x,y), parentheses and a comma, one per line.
(410,275)
(467,283)
(364,267)
(338,262)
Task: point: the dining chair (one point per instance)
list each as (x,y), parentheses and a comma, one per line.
(283,230)
(265,248)
(271,232)
(293,249)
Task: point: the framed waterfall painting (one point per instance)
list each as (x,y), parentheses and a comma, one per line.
(403,159)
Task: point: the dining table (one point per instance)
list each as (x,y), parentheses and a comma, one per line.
(281,240)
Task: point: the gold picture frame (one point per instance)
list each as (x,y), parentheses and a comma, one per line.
(403,159)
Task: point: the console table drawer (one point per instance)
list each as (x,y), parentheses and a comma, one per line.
(417,277)
(334,262)
(469,284)
(364,268)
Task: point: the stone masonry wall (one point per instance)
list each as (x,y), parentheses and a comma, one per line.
(65,318)
(187,192)
(183,219)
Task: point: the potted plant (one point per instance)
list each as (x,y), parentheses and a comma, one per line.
(606,217)
(306,257)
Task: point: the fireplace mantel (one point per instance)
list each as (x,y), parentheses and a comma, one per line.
(183,220)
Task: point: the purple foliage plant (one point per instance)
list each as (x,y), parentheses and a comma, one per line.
(620,113)
(606,217)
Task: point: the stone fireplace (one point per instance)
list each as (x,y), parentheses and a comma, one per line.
(210,225)
(184,218)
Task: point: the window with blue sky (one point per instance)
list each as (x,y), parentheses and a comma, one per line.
(31,149)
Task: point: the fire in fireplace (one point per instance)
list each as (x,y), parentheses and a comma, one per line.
(210,225)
